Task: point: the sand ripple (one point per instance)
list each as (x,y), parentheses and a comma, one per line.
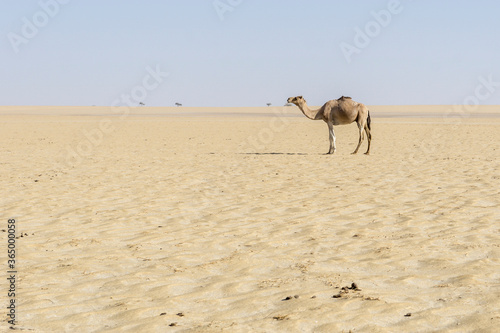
(176,225)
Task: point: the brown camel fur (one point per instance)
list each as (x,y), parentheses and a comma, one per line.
(340,111)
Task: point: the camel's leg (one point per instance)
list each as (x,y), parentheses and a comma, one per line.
(369,138)
(361,137)
(332,137)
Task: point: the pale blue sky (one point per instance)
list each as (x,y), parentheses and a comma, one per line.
(92,52)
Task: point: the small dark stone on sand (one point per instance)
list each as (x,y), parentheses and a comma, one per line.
(287,298)
(337,296)
(354,286)
(408,314)
(280,317)
(180,314)
(163,313)
(296,296)
(173,324)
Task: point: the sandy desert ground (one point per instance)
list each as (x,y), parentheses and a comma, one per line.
(201,222)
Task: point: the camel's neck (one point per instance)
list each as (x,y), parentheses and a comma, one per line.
(311,114)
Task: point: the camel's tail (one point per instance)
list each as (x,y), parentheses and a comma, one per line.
(369,121)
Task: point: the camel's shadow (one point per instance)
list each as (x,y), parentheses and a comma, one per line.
(275,153)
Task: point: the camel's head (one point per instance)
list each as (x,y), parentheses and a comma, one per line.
(296,100)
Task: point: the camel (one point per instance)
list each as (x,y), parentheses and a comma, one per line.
(342,111)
